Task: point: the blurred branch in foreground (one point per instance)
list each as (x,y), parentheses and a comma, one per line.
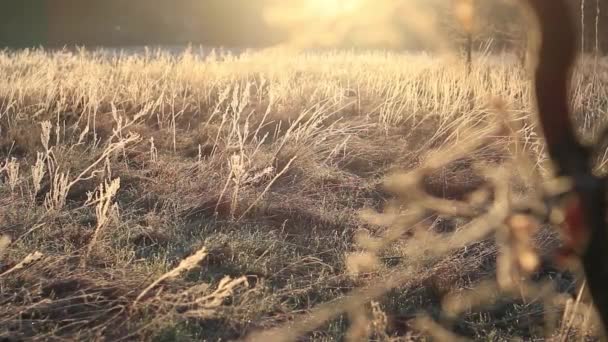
(586,214)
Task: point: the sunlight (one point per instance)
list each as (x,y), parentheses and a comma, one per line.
(333,8)
(331,23)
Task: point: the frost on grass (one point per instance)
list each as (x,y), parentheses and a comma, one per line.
(225,196)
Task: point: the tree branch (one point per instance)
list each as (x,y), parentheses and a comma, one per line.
(557,55)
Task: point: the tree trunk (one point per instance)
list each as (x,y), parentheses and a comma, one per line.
(582,26)
(597,28)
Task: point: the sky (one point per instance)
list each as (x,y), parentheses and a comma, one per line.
(411,24)
(239,23)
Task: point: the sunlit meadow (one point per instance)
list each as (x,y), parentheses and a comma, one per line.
(222,196)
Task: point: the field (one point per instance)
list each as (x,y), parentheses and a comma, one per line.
(177,198)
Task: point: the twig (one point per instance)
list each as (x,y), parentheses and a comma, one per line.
(267,188)
(184,266)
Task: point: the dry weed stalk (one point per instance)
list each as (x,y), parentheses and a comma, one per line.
(104,207)
(237,164)
(238,168)
(267,188)
(5,242)
(28,260)
(153,151)
(12,172)
(379,321)
(56,198)
(38,172)
(205,304)
(107,153)
(184,266)
(576,314)
(61,184)
(45,135)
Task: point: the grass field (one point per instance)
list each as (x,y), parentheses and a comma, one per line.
(166,198)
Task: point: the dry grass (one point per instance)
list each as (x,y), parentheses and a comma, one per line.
(190,198)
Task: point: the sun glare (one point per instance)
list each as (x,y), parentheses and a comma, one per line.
(330,23)
(333,8)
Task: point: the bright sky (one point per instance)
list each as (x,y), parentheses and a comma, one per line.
(331,22)
(334,8)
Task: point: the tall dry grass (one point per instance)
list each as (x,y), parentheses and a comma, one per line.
(116,168)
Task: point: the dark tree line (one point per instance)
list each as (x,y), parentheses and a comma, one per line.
(499,21)
(133,22)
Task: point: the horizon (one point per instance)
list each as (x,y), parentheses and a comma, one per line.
(386,24)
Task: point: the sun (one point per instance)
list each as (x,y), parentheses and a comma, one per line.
(333,8)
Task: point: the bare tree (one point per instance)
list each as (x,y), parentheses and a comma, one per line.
(582,26)
(464,10)
(597,28)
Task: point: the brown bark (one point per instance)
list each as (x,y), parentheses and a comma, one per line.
(556,58)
